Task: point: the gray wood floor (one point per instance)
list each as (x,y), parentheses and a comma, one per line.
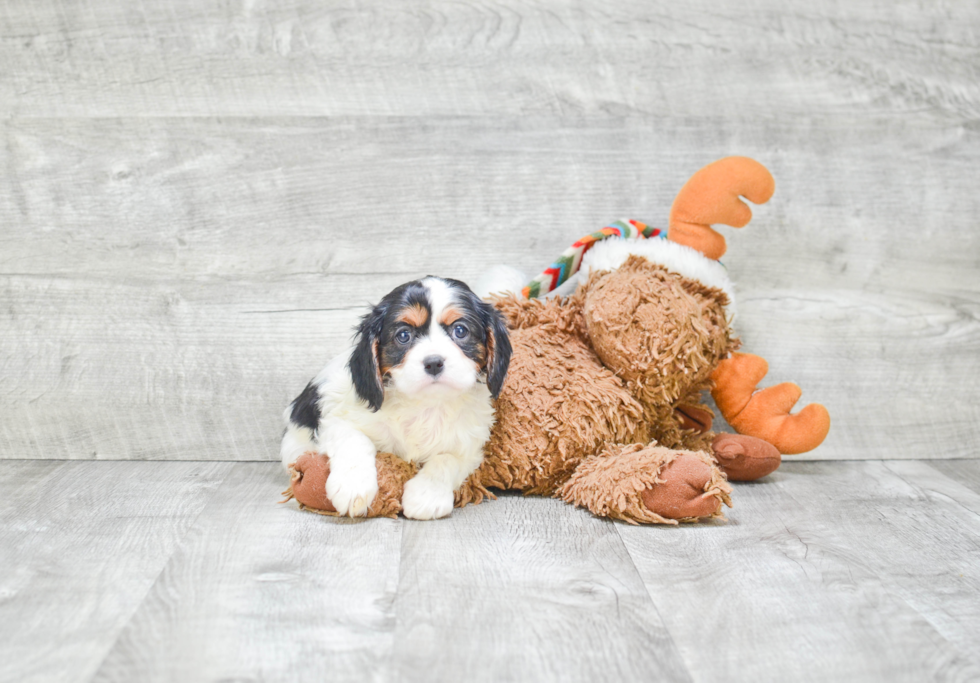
(198,198)
(190,571)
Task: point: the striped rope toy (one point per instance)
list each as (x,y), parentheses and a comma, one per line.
(571,259)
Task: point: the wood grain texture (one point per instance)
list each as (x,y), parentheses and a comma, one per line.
(82,543)
(197,200)
(525,589)
(260,591)
(497,592)
(435,57)
(121,571)
(964,472)
(173,284)
(825,571)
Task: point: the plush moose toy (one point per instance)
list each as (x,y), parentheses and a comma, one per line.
(602,403)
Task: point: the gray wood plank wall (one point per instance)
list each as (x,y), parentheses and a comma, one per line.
(196,199)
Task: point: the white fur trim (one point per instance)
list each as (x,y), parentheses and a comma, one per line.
(610,254)
(500,280)
(567,288)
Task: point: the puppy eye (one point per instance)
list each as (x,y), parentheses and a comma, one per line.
(403,336)
(460,332)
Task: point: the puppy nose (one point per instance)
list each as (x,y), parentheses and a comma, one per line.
(433,364)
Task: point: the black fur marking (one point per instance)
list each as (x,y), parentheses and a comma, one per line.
(498,349)
(306,408)
(365,369)
(377,349)
(488,343)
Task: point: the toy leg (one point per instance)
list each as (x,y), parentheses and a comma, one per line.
(744,458)
(693,420)
(308,484)
(694,417)
(649,484)
(683,426)
(765,413)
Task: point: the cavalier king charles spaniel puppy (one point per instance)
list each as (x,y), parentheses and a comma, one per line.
(418,382)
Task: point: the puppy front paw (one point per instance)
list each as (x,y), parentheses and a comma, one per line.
(426,499)
(352,489)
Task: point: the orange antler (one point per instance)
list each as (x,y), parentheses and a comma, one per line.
(712,196)
(765,414)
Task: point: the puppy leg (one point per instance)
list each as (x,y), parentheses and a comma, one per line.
(295,442)
(353,481)
(429,494)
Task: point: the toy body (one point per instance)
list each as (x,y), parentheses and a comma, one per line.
(602,402)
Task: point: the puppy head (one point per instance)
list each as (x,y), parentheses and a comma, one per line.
(429,337)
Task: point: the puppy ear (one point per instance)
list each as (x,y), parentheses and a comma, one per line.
(498,349)
(365,362)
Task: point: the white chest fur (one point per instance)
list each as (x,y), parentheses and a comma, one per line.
(417,428)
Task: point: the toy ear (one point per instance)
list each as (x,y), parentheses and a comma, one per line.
(498,349)
(365,363)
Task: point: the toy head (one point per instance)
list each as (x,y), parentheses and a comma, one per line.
(661,332)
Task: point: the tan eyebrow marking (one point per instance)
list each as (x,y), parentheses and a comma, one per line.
(449,316)
(415,315)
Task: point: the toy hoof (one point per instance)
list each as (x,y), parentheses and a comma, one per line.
(745,458)
(309,482)
(682,495)
(650,484)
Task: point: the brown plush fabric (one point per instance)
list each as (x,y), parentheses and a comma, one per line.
(308,484)
(694,418)
(745,458)
(649,484)
(558,405)
(690,439)
(560,314)
(659,331)
(472,492)
(561,405)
